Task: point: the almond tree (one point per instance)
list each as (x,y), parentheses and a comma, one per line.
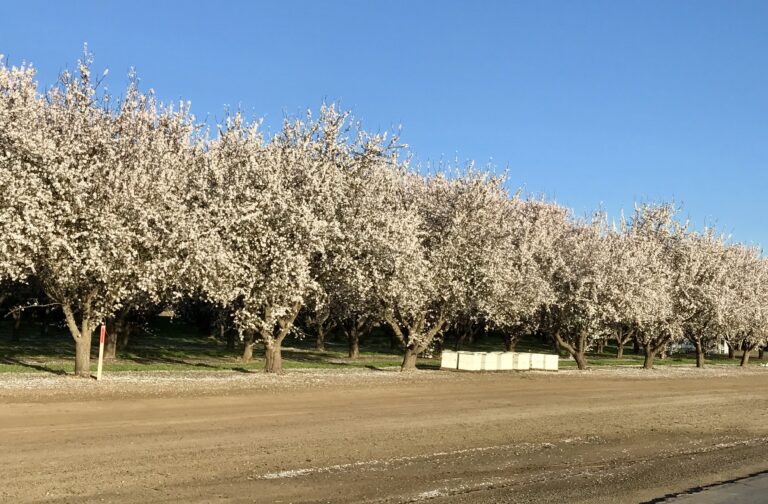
(367,217)
(439,274)
(261,207)
(649,306)
(76,197)
(398,284)
(471,228)
(320,316)
(629,292)
(22,114)
(746,294)
(520,261)
(699,288)
(576,315)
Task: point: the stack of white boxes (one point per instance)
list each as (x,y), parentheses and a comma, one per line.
(521,361)
(506,360)
(551,362)
(537,361)
(498,361)
(492,361)
(449,360)
(471,361)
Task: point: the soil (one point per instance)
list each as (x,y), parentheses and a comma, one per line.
(607,435)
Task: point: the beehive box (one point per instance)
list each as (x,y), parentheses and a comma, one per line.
(521,361)
(449,360)
(551,362)
(505,361)
(537,361)
(491,361)
(471,361)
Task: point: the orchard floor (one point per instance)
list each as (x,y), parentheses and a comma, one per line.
(607,435)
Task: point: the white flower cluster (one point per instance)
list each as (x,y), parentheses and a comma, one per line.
(108,204)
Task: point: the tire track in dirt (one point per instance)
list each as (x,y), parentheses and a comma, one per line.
(457,438)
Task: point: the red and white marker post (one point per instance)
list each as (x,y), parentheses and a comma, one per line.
(101,350)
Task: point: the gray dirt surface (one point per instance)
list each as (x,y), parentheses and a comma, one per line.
(607,435)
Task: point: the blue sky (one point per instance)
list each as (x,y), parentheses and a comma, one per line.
(588,102)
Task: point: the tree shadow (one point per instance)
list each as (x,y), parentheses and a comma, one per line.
(37,367)
(169,360)
(308,356)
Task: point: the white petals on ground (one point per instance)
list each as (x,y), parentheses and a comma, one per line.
(373,465)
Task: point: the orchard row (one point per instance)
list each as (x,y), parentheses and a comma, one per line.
(111,205)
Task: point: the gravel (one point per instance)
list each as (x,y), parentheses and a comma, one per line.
(45,387)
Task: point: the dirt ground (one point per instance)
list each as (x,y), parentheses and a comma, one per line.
(380,436)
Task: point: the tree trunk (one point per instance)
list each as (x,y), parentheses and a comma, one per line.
(230,340)
(83,355)
(320,341)
(581,361)
(745,357)
(760,353)
(577,351)
(273,344)
(353,336)
(409,359)
(508,345)
(556,345)
(636,346)
(81,335)
(114,328)
(600,346)
(416,342)
(118,330)
(650,353)
(620,349)
(110,344)
(224,334)
(699,355)
(248,347)
(45,322)
(123,337)
(273,362)
(731,350)
(16,332)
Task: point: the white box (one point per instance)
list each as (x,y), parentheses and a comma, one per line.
(551,362)
(471,361)
(537,361)
(506,360)
(491,361)
(449,360)
(521,361)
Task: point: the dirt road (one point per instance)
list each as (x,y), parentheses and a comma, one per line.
(367,436)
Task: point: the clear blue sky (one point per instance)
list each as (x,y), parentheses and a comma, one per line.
(588,102)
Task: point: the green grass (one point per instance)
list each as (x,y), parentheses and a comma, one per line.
(172,346)
(169,345)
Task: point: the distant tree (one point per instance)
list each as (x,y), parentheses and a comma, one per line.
(699,288)
(521,264)
(649,305)
(745,291)
(578,275)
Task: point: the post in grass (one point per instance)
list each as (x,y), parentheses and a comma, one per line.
(101,350)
